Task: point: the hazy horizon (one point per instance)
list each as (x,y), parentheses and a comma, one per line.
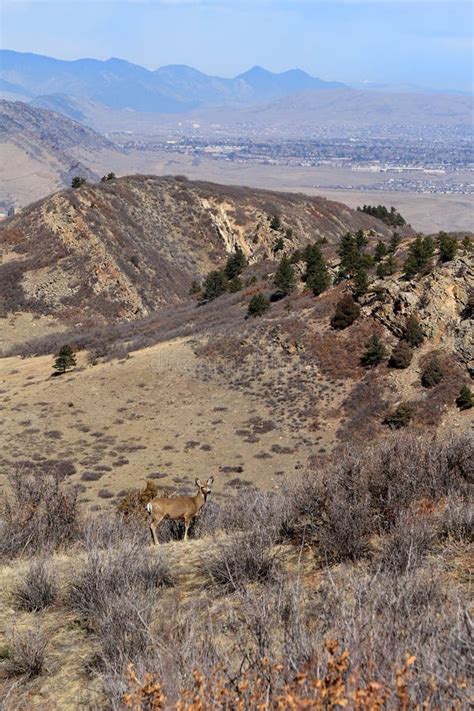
(425,43)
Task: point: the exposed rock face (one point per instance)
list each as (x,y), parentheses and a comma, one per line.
(123,248)
(440,300)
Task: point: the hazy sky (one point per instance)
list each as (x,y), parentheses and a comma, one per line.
(425,42)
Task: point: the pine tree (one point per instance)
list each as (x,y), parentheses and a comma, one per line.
(319,279)
(77,182)
(419,255)
(64,360)
(448,246)
(394,242)
(235,264)
(401,355)
(284,278)
(258,305)
(275,223)
(375,352)
(413,333)
(214,285)
(361,283)
(380,251)
(347,311)
(465,399)
(467,244)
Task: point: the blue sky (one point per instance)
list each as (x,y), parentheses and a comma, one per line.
(423,42)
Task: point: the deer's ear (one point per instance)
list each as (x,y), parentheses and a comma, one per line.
(198,483)
(210,481)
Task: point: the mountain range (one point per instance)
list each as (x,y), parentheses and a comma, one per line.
(119,84)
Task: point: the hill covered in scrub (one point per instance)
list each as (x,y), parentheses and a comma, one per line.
(42,151)
(121,249)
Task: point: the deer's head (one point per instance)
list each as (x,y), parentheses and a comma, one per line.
(205,489)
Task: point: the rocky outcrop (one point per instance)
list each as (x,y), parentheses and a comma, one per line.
(440,301)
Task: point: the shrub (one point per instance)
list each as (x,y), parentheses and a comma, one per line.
(64,360)
(458,519)
(386,268)
(465,399)
(110,573)
(244,560)
(413,333)
(28,653)
(400,417)
(375,352)
(258,305)
(39,515)
(347,311)
(401,356)
(406,545)
(106,178)
(432,374)
(38,589)
(135,501)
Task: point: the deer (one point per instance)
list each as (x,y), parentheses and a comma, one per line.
(178,507)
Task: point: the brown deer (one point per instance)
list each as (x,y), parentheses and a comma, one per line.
(178,507)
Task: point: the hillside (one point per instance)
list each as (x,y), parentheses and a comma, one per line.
(330,565)
(122,248)
(42,150)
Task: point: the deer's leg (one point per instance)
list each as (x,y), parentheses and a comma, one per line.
(187,523)
(153,527)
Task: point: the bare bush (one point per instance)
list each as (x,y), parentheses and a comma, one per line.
(406,545)
(38,589)
(246,559)
(366,490)
(28,653)
(457,522)
(40,515)
(113,572)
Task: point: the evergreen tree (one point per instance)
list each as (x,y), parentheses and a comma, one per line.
(467,244)
(77,182)
(279,245)
(419,255)
(275,223)
(316,276)
(361,283)
(258,305)
(349,254)
(375,352)
(413,333)
(319,279)
(448,246)
(235,285)
(284,278)
(394,242)
(432,374)
(347,311)
(106,178)
(401,355)
(465,399)
(215,284)
(64,360)
(235,264)
(380,251)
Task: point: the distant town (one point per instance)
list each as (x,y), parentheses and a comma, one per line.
(440,163)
